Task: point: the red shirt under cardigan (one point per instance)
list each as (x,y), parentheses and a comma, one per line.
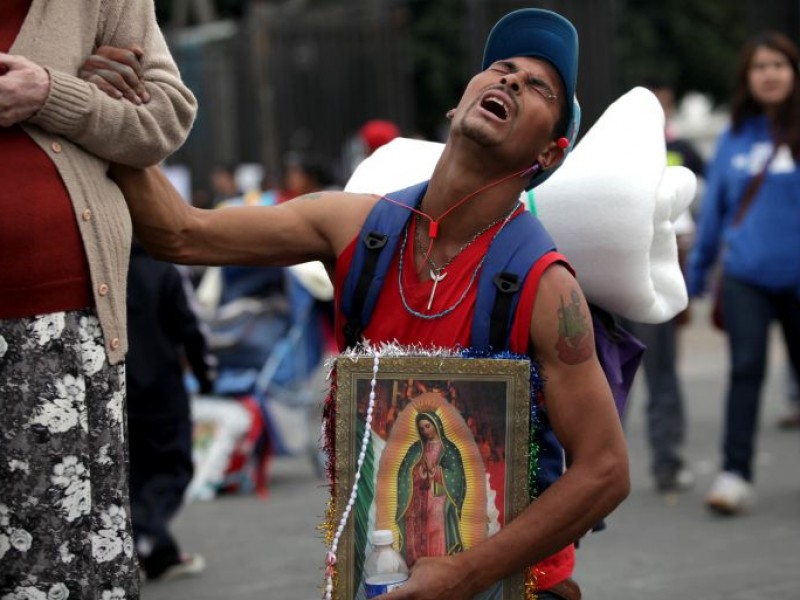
(43,266)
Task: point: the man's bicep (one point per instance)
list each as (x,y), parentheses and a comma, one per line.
(561,326)
(577,394)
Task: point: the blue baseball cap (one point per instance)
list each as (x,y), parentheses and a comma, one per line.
(540,33)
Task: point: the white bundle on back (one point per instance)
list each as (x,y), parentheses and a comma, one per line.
(611,207)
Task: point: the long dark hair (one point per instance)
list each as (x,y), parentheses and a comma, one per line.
(786,121)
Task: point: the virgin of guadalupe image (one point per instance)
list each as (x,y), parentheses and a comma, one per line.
(431,481)
(430,493)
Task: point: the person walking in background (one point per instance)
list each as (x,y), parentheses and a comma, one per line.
(163,333)
(64,241)
(223,185)
(750,218)
(680,151)
(370,136)
(666,413)
(376,133)
(306,174)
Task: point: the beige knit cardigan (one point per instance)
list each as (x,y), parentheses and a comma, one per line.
(82,129)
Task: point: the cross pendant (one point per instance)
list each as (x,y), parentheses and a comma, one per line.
(437,277)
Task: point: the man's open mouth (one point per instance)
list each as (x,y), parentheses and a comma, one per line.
(496,106)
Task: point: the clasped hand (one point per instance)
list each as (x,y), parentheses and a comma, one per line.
(24,86)
(117,72)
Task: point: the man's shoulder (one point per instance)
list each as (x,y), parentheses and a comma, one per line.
(336,201)
(337,214)
(557,277)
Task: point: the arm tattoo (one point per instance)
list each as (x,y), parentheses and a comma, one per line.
(311,196)
(574,332)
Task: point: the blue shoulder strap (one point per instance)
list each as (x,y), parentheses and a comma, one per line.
(514,251)
(372,257)
(511,256)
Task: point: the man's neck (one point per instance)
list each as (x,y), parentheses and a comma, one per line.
(453,181)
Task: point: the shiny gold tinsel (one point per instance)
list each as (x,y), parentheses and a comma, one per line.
(328,527)
(530,583)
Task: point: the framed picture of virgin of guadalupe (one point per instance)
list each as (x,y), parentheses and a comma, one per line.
(445,464)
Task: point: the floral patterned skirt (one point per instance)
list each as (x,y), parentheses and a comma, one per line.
(65,528)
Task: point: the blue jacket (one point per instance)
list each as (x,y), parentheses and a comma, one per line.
(764,248)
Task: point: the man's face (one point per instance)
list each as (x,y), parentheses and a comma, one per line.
(512,107)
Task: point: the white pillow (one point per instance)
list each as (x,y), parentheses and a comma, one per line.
(611,207)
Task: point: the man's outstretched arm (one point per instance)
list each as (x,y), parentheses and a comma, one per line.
(311,227)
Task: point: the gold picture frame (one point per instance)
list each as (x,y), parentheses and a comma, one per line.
(477,412)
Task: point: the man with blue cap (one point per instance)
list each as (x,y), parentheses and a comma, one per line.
(513,126)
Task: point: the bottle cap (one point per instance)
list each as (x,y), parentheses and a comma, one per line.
(381,537)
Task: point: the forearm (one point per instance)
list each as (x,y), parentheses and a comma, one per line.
(281,235)
(580,499)
(162,220)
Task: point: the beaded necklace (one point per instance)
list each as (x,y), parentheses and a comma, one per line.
(436,279)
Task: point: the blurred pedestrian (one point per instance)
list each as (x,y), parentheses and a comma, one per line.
(306,174)
(665,410)
(680,151)
(64,241)
(376,133)
(223,185)
(750,218)
(371,135)
(164,333)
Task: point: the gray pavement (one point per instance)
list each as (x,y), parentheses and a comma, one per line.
(655,548)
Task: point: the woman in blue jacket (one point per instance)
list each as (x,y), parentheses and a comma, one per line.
(750,219)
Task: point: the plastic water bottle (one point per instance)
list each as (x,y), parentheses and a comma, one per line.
(384,568)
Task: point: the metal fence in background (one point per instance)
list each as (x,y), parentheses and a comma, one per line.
(280,82)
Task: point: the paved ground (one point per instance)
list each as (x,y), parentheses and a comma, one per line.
(655,548)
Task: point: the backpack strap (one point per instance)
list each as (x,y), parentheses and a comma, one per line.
(518,246)
(373,255)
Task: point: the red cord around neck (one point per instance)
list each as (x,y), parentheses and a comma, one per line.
(433,224)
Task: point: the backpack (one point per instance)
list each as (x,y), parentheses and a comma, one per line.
(518,246)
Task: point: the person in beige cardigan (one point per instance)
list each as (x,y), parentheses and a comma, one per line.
(65,243)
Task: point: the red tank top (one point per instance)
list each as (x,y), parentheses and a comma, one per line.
(43,266)
(393,320)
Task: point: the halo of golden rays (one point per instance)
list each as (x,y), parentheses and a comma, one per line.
(473,523)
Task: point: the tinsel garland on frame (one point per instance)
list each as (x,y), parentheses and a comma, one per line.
(328,527)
